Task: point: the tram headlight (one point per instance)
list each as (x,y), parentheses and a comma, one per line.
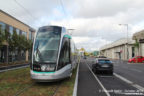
(43,67)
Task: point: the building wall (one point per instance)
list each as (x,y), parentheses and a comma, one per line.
(118,51)
(5,18)
(16,24)
(142,49)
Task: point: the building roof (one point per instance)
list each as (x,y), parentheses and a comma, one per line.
(119,42)
(138,35)
(17,20)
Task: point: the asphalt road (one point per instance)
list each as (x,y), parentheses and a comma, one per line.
(133,72)
(89,86)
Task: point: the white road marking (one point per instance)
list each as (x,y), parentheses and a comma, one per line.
(130,82)
(107,93)
(105,76)
(132,69)
(136,70)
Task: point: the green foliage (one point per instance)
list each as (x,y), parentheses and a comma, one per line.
(29,44)
(24,43)
(1,37)
(15,41)
(136,43)
(7,36)
(4,36)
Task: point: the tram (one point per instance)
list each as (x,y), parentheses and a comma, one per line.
(54,54)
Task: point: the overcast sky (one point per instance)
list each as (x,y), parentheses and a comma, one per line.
(95,21)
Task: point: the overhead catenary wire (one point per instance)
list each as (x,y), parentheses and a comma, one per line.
(62,5)
(64,11)
(34,18)
(19,4)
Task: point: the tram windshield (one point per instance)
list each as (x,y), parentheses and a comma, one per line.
(47,45)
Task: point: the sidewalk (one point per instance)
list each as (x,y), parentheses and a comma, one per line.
(87,84)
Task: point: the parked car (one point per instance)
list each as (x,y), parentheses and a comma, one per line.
(102,57)
(102,64)
(137,59)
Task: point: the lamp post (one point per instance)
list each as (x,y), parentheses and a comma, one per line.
(71,30)
(127,38)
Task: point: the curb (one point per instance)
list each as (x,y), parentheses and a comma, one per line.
(12,66)
(4,69)
(76,82)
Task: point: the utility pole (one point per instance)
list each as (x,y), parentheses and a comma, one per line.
(127,39)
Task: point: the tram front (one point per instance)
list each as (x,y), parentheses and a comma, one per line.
(45,53)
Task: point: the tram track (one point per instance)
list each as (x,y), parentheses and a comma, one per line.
(23,90)
(54,90)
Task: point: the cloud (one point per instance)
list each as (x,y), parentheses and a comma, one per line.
(97,8)
(90,44)
(95,21)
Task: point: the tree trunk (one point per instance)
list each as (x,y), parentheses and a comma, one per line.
(19,55)
(6,54)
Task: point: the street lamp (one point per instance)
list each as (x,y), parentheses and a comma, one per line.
(127,38)
(71,30)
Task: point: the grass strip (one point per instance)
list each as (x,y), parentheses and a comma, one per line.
(11,82)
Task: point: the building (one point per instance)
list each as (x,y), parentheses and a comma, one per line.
(120,49)
(139,37)
(11,24)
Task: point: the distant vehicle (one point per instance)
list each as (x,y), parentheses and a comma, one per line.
(85,57)
(102,57)
(137,59)
(101,65)
(54,54)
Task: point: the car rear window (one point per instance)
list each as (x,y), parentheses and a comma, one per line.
(104,61)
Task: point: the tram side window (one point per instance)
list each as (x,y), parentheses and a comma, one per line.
(65,53)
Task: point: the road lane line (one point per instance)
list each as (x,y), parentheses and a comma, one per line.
(107,93)
(136,70)
(105,76)
(130,82)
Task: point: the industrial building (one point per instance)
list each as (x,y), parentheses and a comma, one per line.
(11,24)
(125,48)
(119,49)
(139,37)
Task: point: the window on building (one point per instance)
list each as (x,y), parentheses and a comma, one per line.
(17,31)
(3,26)
(24,33)
(30,35)
(20,32)
(11,30)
